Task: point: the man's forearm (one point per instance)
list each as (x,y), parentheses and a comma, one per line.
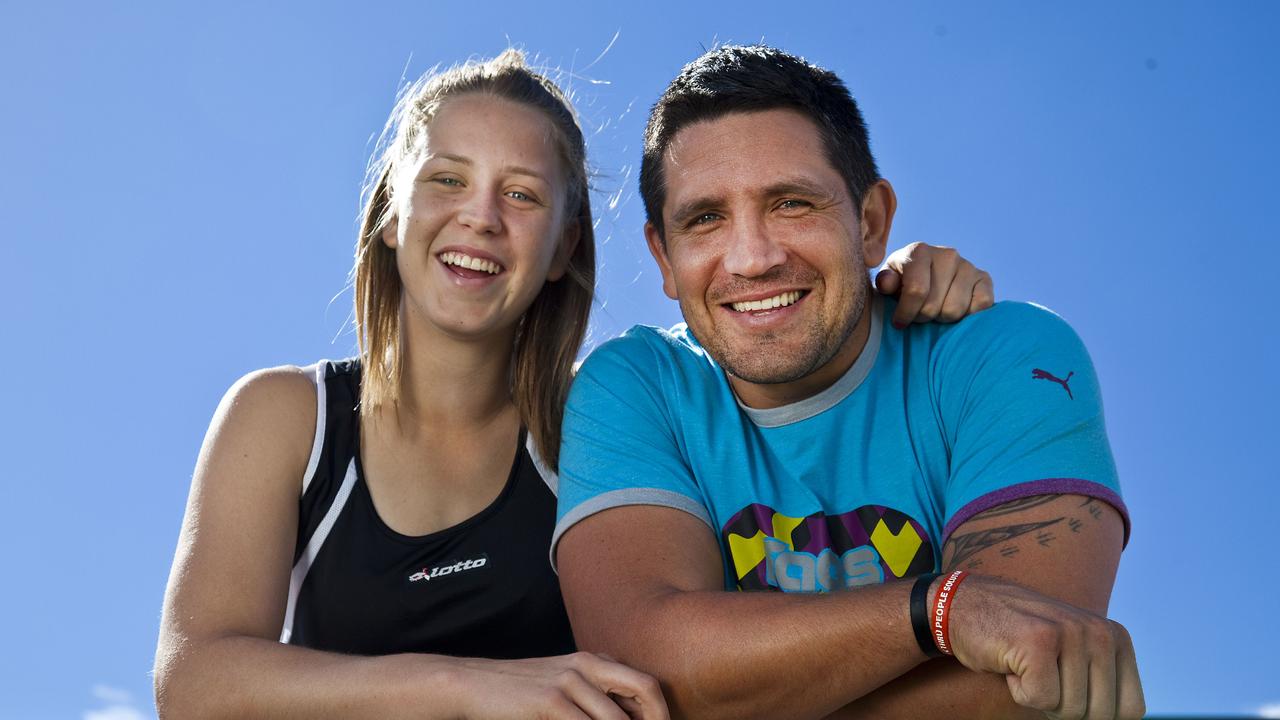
(939,688)
(1041,562)
(730,655)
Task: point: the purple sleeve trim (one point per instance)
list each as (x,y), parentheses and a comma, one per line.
(1048,486)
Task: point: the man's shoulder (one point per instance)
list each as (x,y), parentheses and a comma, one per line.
(1008,314)
(647,347)
(1008,326)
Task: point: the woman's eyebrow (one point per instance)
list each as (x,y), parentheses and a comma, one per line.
(521,170)
(513,169)
(453,158)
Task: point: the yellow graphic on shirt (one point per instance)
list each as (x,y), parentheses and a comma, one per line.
(897,550)
(821,553)
(748,552)
(783,526)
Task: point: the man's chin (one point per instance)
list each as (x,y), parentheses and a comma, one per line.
(761,358)
(767,365)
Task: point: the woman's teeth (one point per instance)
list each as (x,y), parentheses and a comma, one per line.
(466,261)
(786,298)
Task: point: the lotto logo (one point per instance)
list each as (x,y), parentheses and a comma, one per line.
(442,570)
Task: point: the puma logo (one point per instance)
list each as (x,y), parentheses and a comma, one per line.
(1038,374)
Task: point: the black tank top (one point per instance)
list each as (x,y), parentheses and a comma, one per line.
(482,588)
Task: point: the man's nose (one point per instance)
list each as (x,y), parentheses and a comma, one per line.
(480,213)
(752,251)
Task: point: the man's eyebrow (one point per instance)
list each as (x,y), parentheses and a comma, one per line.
(801,187)
(695,206)
(513,169)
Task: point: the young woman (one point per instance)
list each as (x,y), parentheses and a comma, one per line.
(424,469)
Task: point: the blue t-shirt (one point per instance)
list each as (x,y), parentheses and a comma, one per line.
(860,483)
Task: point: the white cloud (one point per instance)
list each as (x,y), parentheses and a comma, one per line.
(1270,710)
(119,705)
(115,712)
(109,694)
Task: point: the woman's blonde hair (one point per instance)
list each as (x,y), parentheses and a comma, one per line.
(552,329)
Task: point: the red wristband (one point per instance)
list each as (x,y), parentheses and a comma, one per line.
(942,610)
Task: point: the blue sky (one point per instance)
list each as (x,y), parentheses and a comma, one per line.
(179,195)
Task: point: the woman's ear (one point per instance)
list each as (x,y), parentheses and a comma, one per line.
(391,231)
(391,228)
(568,243)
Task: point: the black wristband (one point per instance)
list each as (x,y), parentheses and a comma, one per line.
(920,615)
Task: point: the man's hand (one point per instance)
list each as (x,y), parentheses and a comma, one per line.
(933,283)
(1047,634)
(1062,552)
(1057,658)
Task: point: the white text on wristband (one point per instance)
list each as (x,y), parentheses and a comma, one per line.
(942,611)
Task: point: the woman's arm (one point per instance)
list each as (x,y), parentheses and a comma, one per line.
(933,283)
(219,655)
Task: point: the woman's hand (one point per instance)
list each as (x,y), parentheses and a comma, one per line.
(581,685)
(933,283)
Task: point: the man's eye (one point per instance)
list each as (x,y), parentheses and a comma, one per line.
(705,218)
(792,204)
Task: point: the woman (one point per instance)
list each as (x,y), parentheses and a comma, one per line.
(424,469)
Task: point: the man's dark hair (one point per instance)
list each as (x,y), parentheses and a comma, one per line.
(737,78)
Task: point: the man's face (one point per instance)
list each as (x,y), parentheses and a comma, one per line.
(764,247)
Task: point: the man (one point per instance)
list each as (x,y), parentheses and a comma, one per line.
(787,439)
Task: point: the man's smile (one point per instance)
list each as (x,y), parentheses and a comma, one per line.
(782,299)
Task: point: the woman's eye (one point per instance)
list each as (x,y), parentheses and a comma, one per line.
(523,197)
(448,181)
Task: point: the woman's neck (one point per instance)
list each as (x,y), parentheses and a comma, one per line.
(453,381)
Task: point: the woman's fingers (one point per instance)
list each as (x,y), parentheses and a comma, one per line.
(590,698)
(641,692)
(933,283)
(984,294)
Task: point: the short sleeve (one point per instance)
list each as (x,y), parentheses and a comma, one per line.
(1022,412)
(619,441)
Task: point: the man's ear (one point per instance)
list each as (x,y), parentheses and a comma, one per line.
(564,251)
(658,249)
(878,207)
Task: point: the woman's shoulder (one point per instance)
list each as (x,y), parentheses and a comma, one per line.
(278,404)
(289,385)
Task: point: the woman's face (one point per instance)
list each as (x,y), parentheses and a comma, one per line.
(479,217)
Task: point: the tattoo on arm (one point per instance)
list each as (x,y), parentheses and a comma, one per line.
(1018,505)
(962,547)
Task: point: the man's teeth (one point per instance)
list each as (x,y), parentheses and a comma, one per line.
(782,300)
(466,261)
